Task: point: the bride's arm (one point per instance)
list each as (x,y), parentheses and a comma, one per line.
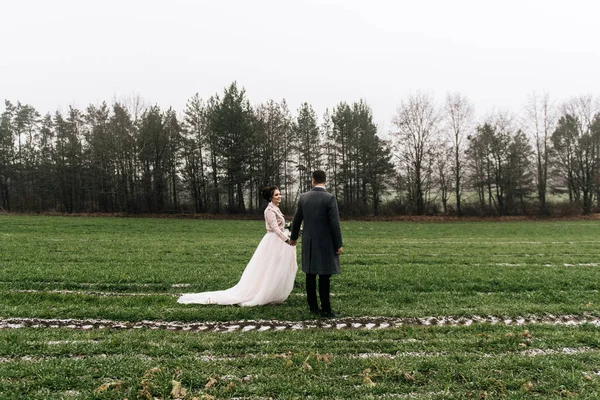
(271,220)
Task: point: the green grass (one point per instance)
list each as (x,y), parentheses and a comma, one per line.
(432,362)
(388,268)
(400,269)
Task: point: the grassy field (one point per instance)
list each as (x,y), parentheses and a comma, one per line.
(132,270)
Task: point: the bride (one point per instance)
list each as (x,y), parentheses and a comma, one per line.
(269,276)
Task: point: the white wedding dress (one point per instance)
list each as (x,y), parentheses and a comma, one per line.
(268,277)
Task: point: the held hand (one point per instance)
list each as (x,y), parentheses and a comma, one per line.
(339,251)
(292,242)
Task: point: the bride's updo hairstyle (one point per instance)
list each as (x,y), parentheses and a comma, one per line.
(268,191)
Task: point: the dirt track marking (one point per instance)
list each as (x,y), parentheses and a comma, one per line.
(274,325)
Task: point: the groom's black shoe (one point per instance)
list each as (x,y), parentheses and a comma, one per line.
(315,311)
(330,314)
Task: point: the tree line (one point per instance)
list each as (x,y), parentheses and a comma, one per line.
(217,155)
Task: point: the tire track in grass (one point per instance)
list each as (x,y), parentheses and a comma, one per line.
(169,294)
(95,284)
(358,356)
(94,293)
(366,323)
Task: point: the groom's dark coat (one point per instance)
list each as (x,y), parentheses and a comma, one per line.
(321,235)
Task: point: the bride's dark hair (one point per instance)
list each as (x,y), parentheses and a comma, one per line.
(268,191)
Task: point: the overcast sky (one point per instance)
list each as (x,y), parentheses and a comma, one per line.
(59,53)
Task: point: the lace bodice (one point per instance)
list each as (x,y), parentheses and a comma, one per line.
(274,221)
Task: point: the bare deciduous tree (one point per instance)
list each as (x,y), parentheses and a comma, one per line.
(459,117)
(540,121)
(444,160)
(417,122)
(576,141)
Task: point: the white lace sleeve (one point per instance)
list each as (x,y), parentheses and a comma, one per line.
(271,220)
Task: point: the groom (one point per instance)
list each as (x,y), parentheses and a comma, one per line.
(321,242)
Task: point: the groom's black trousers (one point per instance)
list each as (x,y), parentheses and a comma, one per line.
(311,292)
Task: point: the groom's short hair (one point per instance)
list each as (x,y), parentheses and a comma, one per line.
(319,176)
